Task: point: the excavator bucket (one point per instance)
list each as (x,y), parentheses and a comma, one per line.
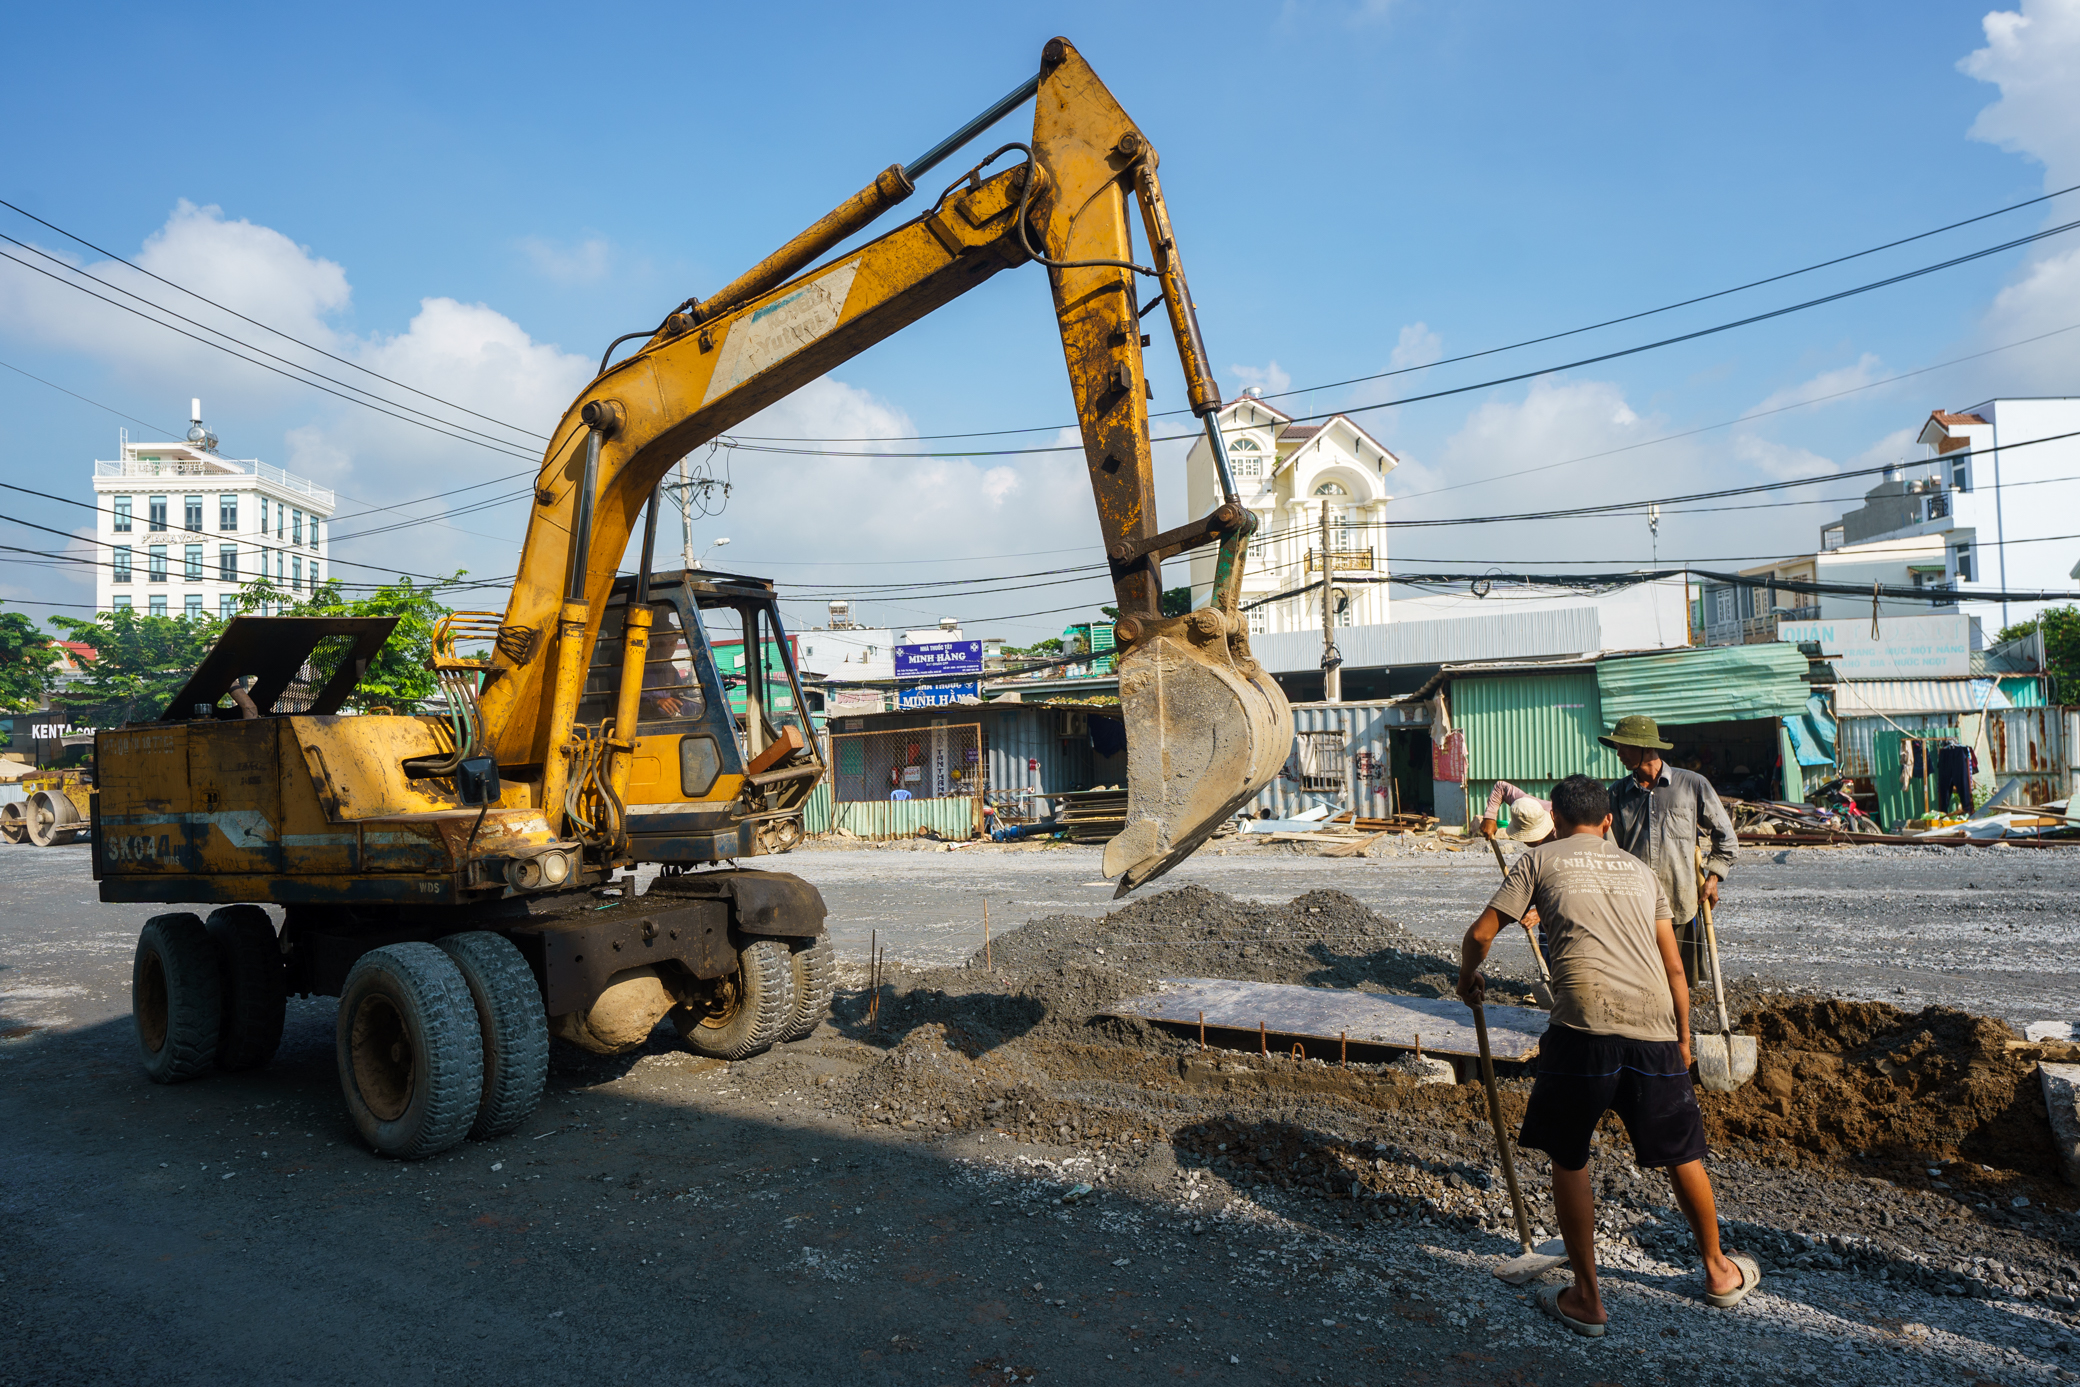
(1205,731)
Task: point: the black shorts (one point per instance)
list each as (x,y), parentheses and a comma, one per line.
(1581,1075)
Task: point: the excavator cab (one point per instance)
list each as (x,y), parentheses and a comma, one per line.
(724,755)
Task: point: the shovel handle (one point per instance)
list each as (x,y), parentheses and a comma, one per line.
(1509,1162)
(1711,941)
(1538,955)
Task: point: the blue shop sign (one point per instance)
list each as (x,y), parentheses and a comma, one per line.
(939,657)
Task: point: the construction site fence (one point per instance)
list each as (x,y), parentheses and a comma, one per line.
(896,784)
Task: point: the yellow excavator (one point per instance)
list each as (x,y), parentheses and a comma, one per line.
(461,881)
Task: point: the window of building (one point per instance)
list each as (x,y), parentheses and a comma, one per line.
(191,562)
(158,604)
(192,608)
(156,572)
(1723,610)
(296,571)
(158,513)
(296,527)
(1964,563)
(227,512)
(122,522)
(1961,474)
(278,565)
(227,606)
(193,509)
(314,575)
(281,518)
(1260,621)
(122,602)
(227,563)
(119,564)
(1321,760)
(1247,457)
(1330,489)
(1832,537)
(314,532)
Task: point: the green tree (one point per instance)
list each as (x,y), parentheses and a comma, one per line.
(140,663)
(1173,602)
(2061,628)
(397,677)
(26,657)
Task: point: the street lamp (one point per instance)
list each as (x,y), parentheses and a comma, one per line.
(712,547)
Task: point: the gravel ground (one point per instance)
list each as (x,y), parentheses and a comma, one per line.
(886,1203)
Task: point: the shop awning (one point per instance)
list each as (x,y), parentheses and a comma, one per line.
(1714,684)
(1863,698)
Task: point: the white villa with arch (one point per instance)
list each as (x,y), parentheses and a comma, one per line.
(1289,474)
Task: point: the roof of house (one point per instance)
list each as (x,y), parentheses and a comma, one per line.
(1952,419)
(1302,431)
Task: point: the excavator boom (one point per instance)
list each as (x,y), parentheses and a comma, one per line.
(1206,726)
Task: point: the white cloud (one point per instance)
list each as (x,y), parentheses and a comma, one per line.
(2033,56)
(1867,369)
(587,262)
(1269,377)
(1897,446)
(1418,346)
(1781,461)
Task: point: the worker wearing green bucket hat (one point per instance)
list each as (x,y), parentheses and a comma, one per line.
(1657,813)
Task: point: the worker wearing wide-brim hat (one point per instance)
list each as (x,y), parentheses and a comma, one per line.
(1657,812)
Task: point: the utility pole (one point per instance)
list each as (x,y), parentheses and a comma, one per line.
(685,490)
(1332,659)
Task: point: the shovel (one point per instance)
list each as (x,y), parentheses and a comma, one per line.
(1724,1061)
(1531,1263)
(1543,991)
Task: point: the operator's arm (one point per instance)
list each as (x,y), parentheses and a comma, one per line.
(1678,984)
(1474,948)
(1712,818)
(1503,793)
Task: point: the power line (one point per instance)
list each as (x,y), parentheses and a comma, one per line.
(257,323)
(480,440)
(1513,346)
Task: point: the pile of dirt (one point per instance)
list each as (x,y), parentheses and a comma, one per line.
(1837,1078)
(1321,939)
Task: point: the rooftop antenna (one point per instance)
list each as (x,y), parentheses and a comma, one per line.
(197,434)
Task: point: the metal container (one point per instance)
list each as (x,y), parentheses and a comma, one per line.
(1355,739)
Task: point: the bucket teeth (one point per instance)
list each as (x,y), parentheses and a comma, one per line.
(1205,732)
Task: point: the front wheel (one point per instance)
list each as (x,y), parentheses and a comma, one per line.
(815,966)
(409,1050)
(743,1014)
(175,997)
(513,1026)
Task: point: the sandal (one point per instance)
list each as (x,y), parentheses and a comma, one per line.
(1751,1277)
(1549,1301)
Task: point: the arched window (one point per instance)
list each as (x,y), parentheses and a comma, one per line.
(1330,489)
(1246,457)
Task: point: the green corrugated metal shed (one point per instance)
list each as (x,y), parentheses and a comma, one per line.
(1532,728)
(1714,684)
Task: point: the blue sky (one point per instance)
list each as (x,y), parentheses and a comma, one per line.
(475,201)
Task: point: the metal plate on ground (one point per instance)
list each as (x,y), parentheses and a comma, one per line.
(1320,1013)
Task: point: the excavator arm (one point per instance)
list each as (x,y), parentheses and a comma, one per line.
(1206,726)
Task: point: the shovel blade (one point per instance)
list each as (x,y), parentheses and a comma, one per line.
(1724,1062)
(1529,1265)
(1206,730)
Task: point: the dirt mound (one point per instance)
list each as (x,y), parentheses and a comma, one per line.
(1321,939)
(1839,1077)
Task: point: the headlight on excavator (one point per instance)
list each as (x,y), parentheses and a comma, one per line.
(524,874)
(556,867)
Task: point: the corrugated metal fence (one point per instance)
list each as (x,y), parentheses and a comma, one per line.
(2030,744)
(1353,737)
(935,771)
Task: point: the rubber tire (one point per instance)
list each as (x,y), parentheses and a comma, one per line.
(815,967)
(765,972)
(513,1024)
(249,969)
(176,997)
(420,1098)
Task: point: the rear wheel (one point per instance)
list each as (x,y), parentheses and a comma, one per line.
(814,964)
(12,826)
(249,969)
(743,1014)
(514,1027)
(410,1052)
(175,997)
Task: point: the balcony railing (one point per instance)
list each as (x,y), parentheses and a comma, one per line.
(215,467)
(1755,630)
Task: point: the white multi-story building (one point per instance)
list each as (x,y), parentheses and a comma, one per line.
(1993,504)
(182,529)
(1290,475)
